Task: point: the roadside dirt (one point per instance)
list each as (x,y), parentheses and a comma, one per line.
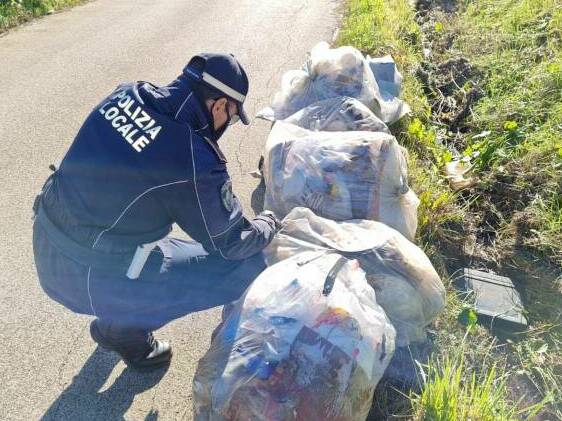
(450,80)
(497,222)
(497,229)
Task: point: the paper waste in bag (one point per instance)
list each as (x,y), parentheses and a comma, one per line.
(339,175)
(307,342)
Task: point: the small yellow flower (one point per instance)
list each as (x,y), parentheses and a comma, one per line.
(510,125)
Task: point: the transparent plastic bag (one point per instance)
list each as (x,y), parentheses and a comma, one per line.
(327,73)
(407,286)
(340,72)
(307,342)
(339,175)
(338,114)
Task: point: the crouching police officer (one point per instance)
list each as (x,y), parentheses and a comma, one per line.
(145,158)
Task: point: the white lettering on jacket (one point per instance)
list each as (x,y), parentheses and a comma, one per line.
(130,120)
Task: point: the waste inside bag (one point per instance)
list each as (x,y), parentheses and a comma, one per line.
(327,73)
(389,81)
(338,114)
(343,71)
(407,286)
(307,342)
(339,175)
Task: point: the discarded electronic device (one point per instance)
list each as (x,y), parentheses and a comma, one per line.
(497,302)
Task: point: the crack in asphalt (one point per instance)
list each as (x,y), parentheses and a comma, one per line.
(61,368)
(237,155)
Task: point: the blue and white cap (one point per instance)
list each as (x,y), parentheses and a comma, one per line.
(223,73)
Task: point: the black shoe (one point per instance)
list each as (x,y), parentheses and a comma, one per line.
(159,356)
(137,347)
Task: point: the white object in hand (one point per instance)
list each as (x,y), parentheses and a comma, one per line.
(139,259)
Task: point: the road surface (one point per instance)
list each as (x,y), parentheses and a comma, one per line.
(53,71)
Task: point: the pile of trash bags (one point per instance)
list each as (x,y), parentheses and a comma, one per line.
(338,114)
(314,333)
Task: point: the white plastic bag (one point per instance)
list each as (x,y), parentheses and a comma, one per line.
(407,286)
(338,114)
(307,342)
(457,172)
(339,175)
(340,72)
(326,74)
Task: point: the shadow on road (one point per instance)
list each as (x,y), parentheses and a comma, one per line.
(258,196)
(81,400)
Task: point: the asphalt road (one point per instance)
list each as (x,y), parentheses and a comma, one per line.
(52,72)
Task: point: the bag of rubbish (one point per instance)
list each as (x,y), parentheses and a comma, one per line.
(338,114)
(327,73)
(389,82)
(339,175)
(406,285)
(307,342)
(343,71)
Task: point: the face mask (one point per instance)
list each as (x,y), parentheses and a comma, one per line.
(216,134)
(230,120)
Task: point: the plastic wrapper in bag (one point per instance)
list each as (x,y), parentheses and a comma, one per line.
(339,175)
(307,342)
(407,286)
(338,114)
(326,74)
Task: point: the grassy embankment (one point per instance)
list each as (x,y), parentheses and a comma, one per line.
(499,107)
(14,12)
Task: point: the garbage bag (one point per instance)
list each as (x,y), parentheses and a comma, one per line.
(329,73)
(389,81)
(407,286)
(307,342)
(339,175)
(338,114)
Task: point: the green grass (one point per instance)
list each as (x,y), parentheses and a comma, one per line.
(522,109)
(517,47)
(451,393)
(15,12)
(524,371)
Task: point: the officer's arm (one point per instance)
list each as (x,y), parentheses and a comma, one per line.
(210,213)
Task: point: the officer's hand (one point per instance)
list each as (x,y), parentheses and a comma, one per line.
(278,225)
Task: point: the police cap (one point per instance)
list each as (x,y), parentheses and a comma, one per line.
(223,73)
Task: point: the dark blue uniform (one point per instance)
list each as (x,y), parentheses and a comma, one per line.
(143,160)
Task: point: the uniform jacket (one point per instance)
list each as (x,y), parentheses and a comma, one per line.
(143,160)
